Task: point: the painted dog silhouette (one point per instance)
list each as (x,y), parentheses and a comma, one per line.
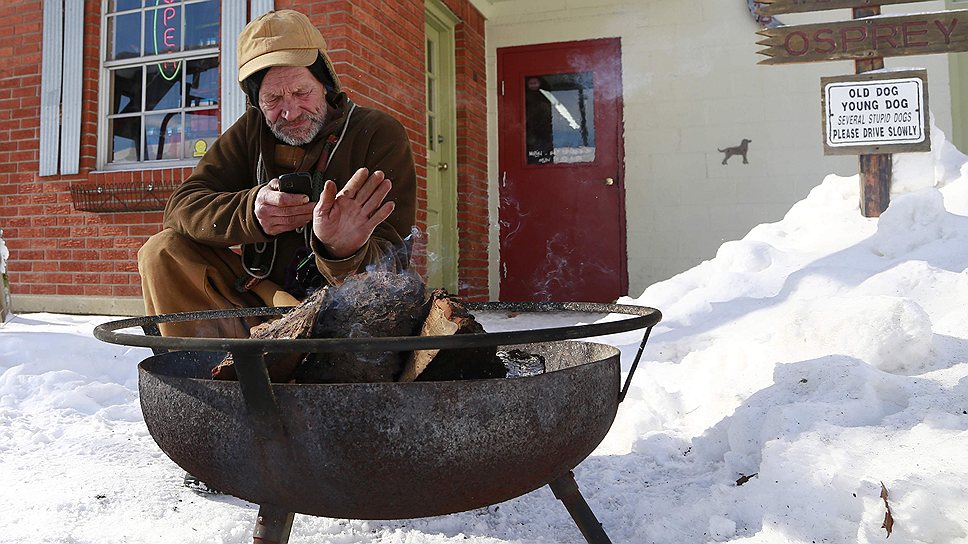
(740,149)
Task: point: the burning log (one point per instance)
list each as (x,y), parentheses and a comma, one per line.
(374,305)
(445,315)
(297,323)
(365,305)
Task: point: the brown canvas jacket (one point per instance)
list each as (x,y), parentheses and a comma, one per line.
(215,205)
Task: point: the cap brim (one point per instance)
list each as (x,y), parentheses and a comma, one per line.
(285,57)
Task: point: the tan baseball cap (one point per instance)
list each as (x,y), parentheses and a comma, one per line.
(280,38)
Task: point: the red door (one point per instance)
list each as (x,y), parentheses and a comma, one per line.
(561,158)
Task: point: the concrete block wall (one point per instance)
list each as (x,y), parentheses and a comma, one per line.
(691,87)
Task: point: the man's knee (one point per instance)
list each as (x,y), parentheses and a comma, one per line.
(161,249)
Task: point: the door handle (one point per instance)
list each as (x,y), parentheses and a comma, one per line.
(442,166)
(609,182)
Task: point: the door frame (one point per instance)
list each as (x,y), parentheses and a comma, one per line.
(441,19)
(958,84)
(503,144)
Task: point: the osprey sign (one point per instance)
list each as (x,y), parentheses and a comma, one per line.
(884,112)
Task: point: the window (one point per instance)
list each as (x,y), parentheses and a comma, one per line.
(560,118)
(160,81)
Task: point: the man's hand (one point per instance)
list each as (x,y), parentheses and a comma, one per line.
(279,212)
(344,221)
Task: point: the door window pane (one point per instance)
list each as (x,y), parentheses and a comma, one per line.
(560,118)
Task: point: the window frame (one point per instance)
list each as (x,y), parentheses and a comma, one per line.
(105,90)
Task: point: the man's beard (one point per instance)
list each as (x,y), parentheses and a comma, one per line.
(300,136)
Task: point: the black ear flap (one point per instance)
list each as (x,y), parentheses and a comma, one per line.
(321,72)
(251,86)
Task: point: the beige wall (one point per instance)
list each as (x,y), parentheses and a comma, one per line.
(691,86)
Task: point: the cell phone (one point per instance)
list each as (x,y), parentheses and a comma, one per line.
(297,182)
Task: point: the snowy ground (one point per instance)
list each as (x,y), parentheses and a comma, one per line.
(815,361)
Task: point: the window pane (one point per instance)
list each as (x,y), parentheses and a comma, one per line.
(123,5)
(163,136)
(163,86)
(125,139)
(163,30)
(560,118)
(201,88)
(201,129)
(124,36)
(126,84)
(201,25)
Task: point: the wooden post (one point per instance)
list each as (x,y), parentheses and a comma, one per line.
(875,170)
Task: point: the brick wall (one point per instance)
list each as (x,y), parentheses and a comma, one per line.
(378,50)
(55,250)
(472,217)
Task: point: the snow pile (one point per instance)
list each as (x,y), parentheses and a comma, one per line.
(823,355)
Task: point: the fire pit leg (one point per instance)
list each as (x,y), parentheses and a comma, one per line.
(566,490)
(273,526)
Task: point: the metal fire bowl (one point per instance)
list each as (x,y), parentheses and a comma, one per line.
(385,450)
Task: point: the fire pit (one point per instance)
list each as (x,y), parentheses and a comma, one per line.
(384,450)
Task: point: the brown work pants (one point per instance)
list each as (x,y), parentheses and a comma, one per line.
(181,275)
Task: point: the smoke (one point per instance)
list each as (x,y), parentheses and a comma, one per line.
(396,258)
(562,270)
(369,305)
(511,208)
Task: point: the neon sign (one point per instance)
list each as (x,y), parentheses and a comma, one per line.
(169,27)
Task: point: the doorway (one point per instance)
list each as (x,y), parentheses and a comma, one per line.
(958,83)
(441,234)
(561,172)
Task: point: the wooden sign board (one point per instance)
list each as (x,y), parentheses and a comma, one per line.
(779,7)
(876,113)
(869,37)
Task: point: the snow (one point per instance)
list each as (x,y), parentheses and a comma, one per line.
(804,367)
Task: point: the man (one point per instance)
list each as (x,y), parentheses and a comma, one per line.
(298,120)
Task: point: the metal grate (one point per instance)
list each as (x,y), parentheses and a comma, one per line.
(121,197)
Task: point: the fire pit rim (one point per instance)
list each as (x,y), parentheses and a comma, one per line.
(643,317)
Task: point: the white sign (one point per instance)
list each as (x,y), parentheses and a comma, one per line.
(886,111)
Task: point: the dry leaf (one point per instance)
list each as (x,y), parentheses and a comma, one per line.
(888,518)
(744,478)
